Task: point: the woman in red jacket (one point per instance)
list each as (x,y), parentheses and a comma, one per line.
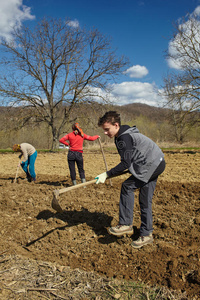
(75,154)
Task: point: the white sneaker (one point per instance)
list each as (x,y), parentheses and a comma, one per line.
(142,240)
(121,230)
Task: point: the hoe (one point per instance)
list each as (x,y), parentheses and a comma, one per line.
(55,204)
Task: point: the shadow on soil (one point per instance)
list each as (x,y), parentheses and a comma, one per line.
(20,180)
(96,220)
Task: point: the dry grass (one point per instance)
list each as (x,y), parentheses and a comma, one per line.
(164,145)
(22,278)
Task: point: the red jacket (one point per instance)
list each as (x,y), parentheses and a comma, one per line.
(76,141)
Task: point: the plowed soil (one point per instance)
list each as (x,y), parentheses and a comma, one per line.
(78,237)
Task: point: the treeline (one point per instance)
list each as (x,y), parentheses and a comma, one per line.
(153,122)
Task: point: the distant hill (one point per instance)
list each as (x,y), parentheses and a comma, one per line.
(132,110)
(157,114)
(150,120)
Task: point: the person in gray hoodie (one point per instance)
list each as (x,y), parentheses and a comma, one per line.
(144,160)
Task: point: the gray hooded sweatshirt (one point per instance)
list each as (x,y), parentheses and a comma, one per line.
(139,154)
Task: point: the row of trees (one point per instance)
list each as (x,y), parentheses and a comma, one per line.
(49,71)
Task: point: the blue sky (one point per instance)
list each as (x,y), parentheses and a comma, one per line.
(140,29)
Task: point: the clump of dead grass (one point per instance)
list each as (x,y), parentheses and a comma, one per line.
(23,278)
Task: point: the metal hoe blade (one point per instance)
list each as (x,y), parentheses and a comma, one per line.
(54,204)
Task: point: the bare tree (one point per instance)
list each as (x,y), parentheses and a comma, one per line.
(54,67)
(181,114)
(182,87)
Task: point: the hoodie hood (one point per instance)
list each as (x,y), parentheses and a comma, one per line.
(127,129)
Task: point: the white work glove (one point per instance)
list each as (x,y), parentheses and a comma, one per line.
(101,178)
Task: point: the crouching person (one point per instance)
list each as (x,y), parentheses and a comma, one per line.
(29,154)
(145,162)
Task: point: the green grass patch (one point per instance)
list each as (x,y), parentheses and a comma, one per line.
(139,291)
(5,150)
(181,149)
(107,149)
(38,150)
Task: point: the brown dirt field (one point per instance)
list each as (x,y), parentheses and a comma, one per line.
(77,238)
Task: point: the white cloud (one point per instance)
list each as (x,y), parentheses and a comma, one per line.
(135,92)
(74,23)
(197,10)
(179,58)
(137,71)
(13,13)
(128,92)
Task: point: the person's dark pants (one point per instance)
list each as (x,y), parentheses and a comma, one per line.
(75,158)
(126,204)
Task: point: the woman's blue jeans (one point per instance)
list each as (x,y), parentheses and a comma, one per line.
(29,165)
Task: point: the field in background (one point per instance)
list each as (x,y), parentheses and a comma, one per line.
(44,253)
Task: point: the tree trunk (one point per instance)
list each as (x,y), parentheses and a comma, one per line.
(55,144)
(55,141)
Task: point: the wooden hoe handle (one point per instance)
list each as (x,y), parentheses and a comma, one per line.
(61,191)
(17,171)
(104,158)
